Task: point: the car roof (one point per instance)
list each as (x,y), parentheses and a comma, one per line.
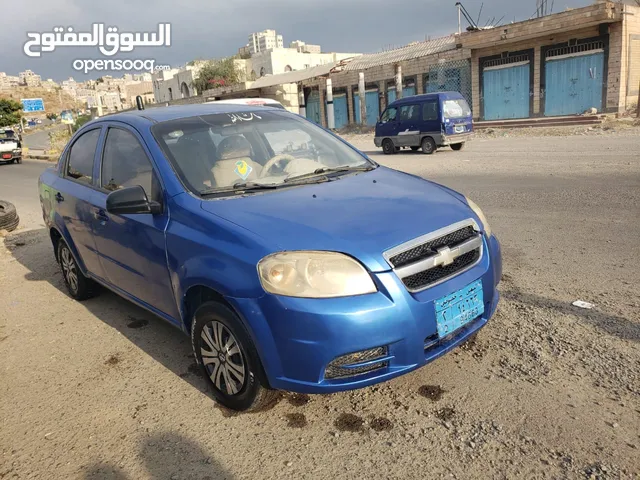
(163,114)
(426,96)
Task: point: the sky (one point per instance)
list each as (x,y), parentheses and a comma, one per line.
(205,29)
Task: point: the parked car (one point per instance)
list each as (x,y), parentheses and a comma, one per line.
(426,121)
(311,275)
(10,146)
(262,102)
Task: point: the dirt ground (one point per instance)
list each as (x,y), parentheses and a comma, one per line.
(104,390)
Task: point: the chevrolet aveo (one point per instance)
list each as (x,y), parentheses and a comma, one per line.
(292,260)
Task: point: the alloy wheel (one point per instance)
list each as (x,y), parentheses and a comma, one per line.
(223,358)
(69,269)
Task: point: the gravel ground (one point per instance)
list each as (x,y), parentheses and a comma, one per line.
(101,389)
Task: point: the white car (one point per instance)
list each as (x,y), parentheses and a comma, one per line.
(10,146)
(263,102)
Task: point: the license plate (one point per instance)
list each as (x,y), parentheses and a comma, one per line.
(6,155)
(459,128)
(459,308)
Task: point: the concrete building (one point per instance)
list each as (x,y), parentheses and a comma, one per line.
(560,64)
(263,41)
(30,79)
(284,60)
(303,47)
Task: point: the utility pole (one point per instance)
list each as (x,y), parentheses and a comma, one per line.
(363,99)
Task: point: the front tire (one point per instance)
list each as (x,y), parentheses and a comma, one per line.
(228,358)
(388,148)
(428,146)
(457,146)
(79,286)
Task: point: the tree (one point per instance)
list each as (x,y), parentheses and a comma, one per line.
(9,112)
(217,73)
(52,116)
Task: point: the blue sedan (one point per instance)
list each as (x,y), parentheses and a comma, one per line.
(292,260)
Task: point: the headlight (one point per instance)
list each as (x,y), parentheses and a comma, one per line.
(314,275)
(476,209)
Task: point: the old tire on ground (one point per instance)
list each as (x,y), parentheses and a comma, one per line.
(79,286)
(388,148)
(229,359)
(457,146)
(9,219)
(428,145)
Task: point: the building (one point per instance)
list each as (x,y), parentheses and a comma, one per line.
(133,89)
(282,60)
(30,79)
(263,41)
(561,64)
(303,47)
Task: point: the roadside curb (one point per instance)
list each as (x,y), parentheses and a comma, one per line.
(48,158)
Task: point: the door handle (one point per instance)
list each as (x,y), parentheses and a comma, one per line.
(59,197)
(100,215)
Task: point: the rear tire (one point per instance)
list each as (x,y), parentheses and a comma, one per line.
(457,146)
(79,286)
(388,148)
(428,146)
(228,359)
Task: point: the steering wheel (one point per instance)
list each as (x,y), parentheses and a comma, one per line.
(266,170)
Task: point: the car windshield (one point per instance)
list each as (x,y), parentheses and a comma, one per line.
(456,108)
(259,149)
(7,134)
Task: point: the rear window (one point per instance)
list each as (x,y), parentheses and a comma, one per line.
(456,108)
(7,134)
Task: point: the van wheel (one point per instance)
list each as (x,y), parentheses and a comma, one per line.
(228,359)
(428,145)
(388,148)
(415,149)
(457,146)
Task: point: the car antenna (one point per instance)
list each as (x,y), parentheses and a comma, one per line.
(139,103)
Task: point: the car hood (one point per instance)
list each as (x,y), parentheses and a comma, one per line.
(361,214)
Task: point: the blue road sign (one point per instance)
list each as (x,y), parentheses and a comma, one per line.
(32,105)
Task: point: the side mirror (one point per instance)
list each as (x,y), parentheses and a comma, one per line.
(131,200)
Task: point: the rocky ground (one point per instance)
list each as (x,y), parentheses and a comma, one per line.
(101,389)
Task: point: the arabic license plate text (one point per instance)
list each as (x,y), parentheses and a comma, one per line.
(459,308)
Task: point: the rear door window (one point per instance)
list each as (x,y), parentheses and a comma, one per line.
(81,157)
(430,110)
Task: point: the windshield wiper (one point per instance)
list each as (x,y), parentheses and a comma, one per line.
(240,187)
(325,170)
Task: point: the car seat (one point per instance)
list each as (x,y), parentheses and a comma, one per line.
(234,162)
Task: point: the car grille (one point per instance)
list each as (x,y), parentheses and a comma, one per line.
(348,365)
(436,257)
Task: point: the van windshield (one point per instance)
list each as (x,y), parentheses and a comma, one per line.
(456,108)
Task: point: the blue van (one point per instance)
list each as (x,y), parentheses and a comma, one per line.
(425,121)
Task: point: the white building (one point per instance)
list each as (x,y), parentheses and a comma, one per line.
(303,47)
(30,79)
(263,41)
(284,60)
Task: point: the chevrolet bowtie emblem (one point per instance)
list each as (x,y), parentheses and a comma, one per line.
(445,257)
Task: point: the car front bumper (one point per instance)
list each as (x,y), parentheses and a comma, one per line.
(298,338)
(456,138)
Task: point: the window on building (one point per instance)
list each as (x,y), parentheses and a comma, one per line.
(81,155)
(430,110)
(409,112)
(262,71)
(288,68)
(125,164)
(170,94)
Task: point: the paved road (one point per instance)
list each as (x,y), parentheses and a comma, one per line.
(547,390)
(19,185)
(39,140)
